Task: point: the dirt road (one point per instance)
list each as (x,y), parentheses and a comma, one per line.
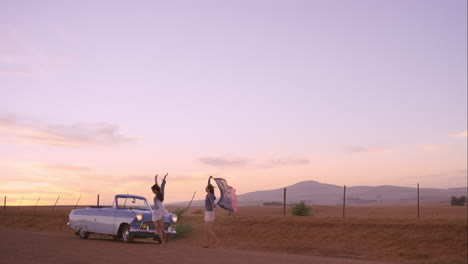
(17,247)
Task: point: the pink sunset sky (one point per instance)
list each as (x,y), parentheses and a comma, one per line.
(98,96)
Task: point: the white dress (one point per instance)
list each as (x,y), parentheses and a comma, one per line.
(161,212)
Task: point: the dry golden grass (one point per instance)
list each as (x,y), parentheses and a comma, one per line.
(386,233)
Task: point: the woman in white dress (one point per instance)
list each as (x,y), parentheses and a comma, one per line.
(159,211)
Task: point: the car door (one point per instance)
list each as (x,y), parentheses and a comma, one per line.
(105,221)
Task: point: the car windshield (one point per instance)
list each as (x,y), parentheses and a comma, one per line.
(132,203)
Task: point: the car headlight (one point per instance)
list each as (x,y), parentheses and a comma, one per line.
(174,218)
(139,217)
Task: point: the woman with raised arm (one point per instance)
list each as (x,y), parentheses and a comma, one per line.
(159,211)
(210,198)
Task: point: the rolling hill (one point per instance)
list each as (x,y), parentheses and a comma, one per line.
(316,193)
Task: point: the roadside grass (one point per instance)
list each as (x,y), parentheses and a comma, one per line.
(197,212)
(405,239)
(179,212)
(183,229)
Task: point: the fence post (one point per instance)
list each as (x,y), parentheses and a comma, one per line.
(284,202)
(344,200)
(20,202)
(78,202)
(55,203)
(418,200)
(4,203)
(36,203)
(98,200)
(186,209)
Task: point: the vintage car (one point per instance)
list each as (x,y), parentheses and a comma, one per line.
(129,217)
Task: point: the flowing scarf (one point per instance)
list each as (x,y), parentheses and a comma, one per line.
(228,198)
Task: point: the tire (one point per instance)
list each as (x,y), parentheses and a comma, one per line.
(127,237)
(83,233)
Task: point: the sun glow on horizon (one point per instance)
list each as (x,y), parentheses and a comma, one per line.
(372,98)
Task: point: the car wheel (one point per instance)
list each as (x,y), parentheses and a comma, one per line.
(83,233)
(127,237)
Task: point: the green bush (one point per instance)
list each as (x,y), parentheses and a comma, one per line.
(179,212)
(183,229)
(301,209)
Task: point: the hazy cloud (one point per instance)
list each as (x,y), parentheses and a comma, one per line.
(243,162)
(181,178)
(13,129)
(19,57)
(456,176)
(364,149)
(150,178)
(289,161)
(64,167)
(440,147)
(97,180)
(284,161)
(435,148)
(463,134)
(23,185)
(225,161)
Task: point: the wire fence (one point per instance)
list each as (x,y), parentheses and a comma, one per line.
(24,201)
(74,202)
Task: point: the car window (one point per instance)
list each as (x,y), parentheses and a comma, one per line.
(132,203)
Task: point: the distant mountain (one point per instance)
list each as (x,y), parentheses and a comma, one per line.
(302,191)
(316,193)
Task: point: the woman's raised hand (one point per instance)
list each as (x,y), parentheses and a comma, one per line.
(165,176)
(156,179)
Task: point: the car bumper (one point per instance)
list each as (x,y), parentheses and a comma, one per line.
(138,232)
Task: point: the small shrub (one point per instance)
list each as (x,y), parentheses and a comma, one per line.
(458,201)
(301,209)
(183,229)
(179,212)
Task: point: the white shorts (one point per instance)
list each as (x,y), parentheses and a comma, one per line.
(209,216)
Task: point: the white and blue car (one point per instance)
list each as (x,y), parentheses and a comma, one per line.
(129,217)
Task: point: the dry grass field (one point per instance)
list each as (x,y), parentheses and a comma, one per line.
(385,233)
